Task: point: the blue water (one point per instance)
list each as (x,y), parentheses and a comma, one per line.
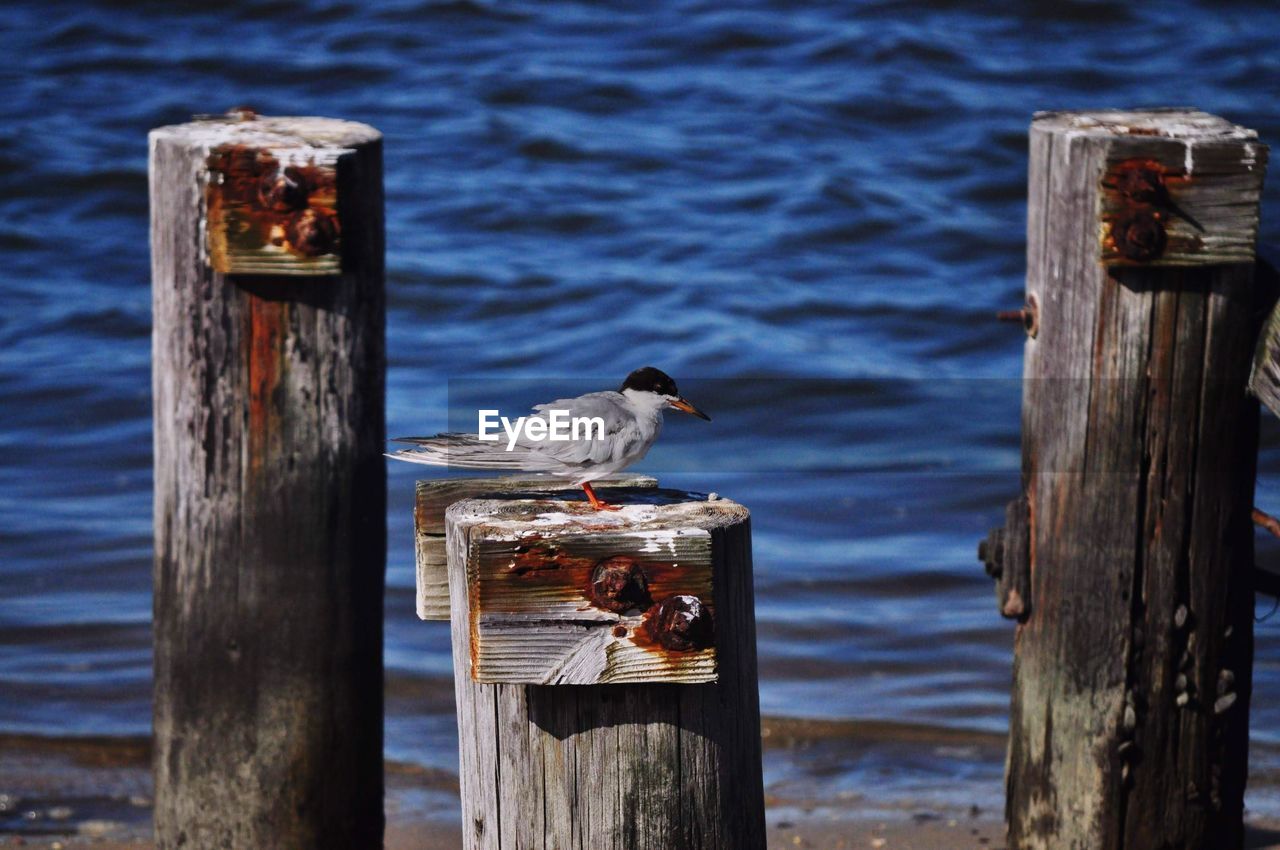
(818,205)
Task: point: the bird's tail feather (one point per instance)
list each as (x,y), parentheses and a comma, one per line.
(466,451)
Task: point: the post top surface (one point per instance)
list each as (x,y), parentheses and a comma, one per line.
(641,511)
(529,482)
(267,131)
(1181,124)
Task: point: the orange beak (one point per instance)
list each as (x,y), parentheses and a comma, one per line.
(683,404)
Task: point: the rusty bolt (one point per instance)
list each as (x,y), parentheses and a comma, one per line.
(241,170)
(1142,183)
(618,584)
(681,623)
(317,180)
(1139,235)
(285,192)
(620,631)
(312,232)
(991,553)
(1028,316)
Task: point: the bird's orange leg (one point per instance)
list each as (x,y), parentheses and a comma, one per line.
(595,502)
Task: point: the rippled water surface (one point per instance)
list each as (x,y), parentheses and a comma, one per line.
(820,204)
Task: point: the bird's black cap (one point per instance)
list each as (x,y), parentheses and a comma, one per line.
(649,379)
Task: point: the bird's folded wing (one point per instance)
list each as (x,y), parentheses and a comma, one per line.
(622,437)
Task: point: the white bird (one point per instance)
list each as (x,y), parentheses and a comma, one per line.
(632,418)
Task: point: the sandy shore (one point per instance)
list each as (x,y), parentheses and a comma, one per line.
(831,831)
(73,794)
(815,833)
(818,833)
(810,832)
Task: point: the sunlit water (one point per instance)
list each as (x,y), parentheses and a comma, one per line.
(807,215)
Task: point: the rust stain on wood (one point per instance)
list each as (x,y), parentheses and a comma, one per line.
(267,320)
(473,605)
(539,562)
(1138,204)
(266,215)
(534,557)
(663,607)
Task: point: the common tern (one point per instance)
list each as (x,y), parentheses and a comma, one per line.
(629,421)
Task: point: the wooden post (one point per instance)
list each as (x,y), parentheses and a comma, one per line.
(1130,705)
(270,486)
(658,593)
(433,498)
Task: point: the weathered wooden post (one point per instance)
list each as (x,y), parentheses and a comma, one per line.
(1130,706)
(270,490)
(605,672)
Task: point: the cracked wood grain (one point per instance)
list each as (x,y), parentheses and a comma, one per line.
(613,766)
(1139,452)
(270,522)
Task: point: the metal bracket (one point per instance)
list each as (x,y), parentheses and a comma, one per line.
(1006,553)
(272,211)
